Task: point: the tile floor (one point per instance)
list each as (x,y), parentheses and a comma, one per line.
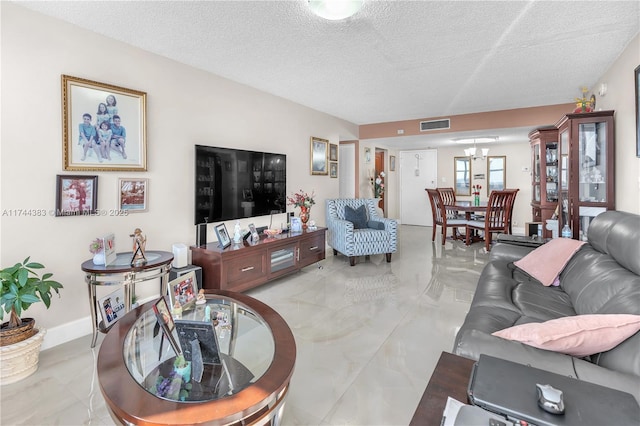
(368,339)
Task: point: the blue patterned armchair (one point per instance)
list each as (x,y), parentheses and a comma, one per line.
(344,238)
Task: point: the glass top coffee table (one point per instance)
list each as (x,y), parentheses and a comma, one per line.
(257,356)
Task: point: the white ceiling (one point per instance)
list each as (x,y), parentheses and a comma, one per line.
(394,60)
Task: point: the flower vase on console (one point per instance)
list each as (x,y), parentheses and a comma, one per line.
(304,201)
(476,200)
(304,216)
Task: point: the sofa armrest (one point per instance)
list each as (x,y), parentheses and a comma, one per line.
(339,233)
(390,225)
(509,252)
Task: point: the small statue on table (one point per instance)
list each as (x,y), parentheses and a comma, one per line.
(139,243)
(200,299)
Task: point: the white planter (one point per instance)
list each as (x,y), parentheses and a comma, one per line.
(20,360)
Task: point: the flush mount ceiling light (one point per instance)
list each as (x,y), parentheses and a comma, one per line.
(335,10)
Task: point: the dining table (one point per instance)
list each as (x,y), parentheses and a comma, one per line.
(468,207)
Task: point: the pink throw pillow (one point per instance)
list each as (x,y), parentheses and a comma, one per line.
(579,335)
(547,261)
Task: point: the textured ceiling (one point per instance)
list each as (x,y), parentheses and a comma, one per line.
(394,60)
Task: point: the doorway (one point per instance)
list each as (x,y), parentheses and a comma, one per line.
(418,170)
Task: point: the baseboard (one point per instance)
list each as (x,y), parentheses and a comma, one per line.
(72,330)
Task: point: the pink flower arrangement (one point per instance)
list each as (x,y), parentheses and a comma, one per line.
(301,199)
(476,189)
(96,246)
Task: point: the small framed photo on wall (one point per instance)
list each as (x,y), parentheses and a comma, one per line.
(392,163)
(76,195)
(132,194)
(333,169)
(333,152)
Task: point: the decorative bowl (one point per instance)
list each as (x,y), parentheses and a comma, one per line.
(272,232)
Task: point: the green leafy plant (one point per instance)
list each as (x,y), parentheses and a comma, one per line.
(21,287)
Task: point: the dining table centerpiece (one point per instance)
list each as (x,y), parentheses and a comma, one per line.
(476,194)
(304,201)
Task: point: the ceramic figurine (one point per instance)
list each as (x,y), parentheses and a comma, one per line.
(201,300)
(237,235)
(139,243)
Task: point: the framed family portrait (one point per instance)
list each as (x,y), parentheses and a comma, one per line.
(319,156)
(104,126)
(132,194)
(223,235)
(76,195)
(183,291)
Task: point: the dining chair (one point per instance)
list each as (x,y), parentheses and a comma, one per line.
(440,216)
(513,202)
(448,196)
(497,216)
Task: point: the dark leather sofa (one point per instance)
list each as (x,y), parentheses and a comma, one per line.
(603,277)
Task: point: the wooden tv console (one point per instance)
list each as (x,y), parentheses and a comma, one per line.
(247,265)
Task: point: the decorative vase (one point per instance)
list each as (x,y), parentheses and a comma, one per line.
(98,258)
(304,216)
(476,200)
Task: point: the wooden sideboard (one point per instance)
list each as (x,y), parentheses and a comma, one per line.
(247,265)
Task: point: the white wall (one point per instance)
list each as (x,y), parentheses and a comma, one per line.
(621,98)
(186,106)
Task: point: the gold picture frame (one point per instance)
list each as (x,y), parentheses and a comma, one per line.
(333,169)
(333,152)
(104,126)
(319,156)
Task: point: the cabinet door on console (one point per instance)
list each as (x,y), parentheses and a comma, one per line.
(312,249)
(244,271)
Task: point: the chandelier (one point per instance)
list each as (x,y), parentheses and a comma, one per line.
(473,151)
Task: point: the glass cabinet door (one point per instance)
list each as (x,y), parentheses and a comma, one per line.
(551,159)
(536,173)
(592,160)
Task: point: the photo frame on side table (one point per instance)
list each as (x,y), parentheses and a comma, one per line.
(319,156)
(255,237)
(132,194)
(112,307)
(166,324)
(184,291)
(88,105)
(223,236)
(76,195)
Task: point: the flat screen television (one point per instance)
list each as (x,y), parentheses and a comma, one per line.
(235,184)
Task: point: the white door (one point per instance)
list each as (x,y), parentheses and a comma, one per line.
(418,170)
(347,170)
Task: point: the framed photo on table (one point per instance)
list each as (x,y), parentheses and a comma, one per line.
(76,195)
(319,156)
(183,291)
(104,126)
(132,194)
(166,324)
(223,236)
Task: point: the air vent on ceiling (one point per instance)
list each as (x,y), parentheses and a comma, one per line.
(435,125)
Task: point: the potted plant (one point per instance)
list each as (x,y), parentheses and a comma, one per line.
(19,341)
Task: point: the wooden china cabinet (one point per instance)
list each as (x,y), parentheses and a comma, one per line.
(545,175)
(586,169)
(572,170)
